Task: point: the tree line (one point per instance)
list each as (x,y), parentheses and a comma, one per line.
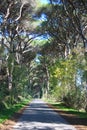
(61,70)
(65,52)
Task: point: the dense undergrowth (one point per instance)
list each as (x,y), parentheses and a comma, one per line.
(7,113)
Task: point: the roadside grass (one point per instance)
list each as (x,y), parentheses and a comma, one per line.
(68,110)
(8,113)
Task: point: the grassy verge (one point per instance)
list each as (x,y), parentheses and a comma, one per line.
(8,113)
(68,110)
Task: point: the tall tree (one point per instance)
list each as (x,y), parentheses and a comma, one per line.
(16,28)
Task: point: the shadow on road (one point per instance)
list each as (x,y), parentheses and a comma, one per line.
(38,116)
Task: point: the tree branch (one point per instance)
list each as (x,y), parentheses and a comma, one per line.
(20,12)
(8,10)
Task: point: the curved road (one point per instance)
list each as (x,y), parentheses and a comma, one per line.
(38,116)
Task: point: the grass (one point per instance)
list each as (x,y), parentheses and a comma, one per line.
(8,113)
(61,106)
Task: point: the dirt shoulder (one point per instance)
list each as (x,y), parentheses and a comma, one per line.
(78,123)
(8,124)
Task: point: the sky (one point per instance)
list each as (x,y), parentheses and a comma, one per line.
(44,1)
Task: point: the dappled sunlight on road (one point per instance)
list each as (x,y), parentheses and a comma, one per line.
(41,126)
(38,116)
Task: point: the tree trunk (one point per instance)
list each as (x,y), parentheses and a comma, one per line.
(10,68)
(47,80)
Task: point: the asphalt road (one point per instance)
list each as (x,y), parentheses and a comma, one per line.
(38,116)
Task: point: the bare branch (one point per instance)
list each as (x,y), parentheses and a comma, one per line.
(20,12)
(8,10)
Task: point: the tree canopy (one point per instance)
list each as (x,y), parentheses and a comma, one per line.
(43,51)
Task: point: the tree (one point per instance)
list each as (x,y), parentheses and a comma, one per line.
(65,26)
(15,36)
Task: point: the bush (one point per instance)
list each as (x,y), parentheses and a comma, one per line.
(74,99)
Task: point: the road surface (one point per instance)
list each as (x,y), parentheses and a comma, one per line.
(38,116)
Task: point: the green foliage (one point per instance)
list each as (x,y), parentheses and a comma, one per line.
(9,112)
(66,73)
(69,110)
(39,42)
(74,99)
(66,80)
(20,81)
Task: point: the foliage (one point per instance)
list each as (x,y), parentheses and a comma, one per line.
(8,113)
(66,82)
(69,110)
(61,70)
(16,26)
